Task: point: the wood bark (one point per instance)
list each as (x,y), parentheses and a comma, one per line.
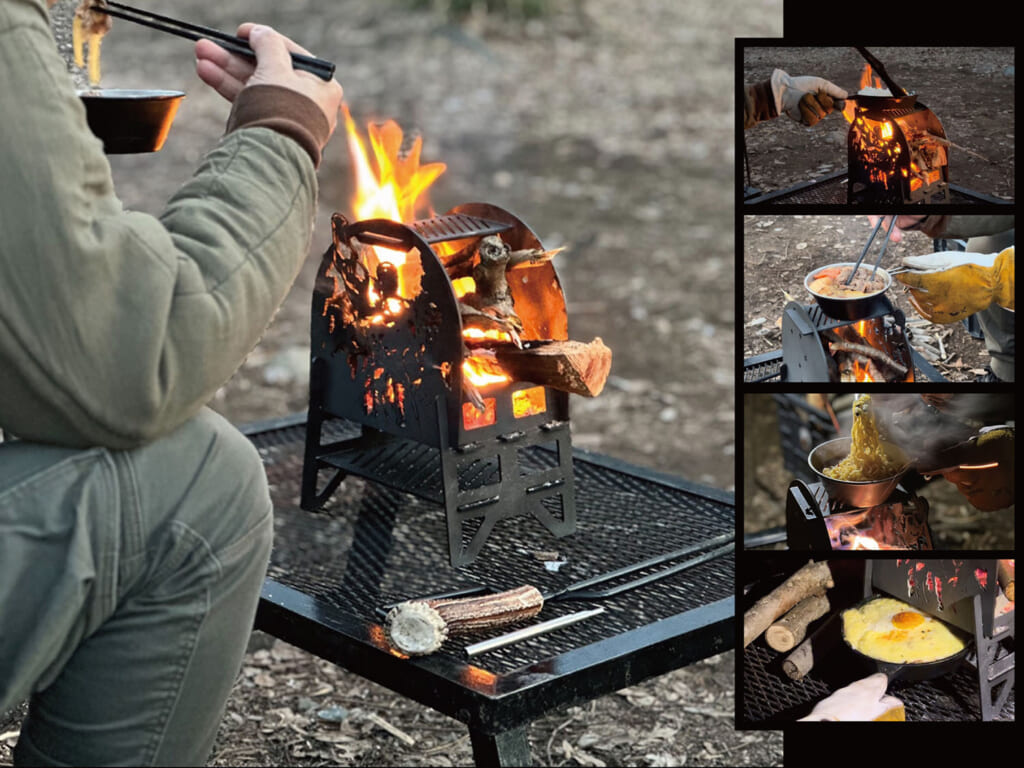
(791,629)
(569,366)
(801,660)
(809,580)
(1005,573)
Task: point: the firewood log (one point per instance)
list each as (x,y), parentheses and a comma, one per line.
(785,633)
(569,366)
(809,580)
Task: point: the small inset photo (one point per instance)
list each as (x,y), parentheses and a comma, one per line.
(886,126)
(828,472)
(878,299)
(912,639)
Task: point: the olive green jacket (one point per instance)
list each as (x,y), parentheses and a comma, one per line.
(117,326)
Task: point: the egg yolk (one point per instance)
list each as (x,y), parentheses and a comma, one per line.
(907,619)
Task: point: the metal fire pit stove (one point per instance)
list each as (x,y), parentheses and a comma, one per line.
(819,348)
(388,353)
(897,153)
(816,522)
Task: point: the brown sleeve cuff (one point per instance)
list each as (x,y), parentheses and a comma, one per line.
(933,226)
(283,110)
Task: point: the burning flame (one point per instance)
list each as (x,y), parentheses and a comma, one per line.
(394,190)
(392,187)
(483,370)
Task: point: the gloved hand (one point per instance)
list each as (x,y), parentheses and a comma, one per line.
(951,285)
(989,488)
(806,99)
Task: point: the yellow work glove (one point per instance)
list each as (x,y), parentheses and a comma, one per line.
(806,99)
(951,285)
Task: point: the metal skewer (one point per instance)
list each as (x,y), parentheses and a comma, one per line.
(238,45)
(526,632)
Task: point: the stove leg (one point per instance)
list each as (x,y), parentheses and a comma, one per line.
(508,748)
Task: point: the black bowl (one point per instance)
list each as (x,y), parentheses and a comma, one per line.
(129,121)
(856,308)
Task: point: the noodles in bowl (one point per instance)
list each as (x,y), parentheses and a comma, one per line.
(868,459)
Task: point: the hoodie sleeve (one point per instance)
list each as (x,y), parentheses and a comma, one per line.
(117,326)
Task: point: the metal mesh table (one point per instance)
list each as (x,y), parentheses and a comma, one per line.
(830,190)
(771,699)
(331,572)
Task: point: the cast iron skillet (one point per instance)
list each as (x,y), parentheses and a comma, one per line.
(130,121)
(909,672)
(852,308)
(855,493)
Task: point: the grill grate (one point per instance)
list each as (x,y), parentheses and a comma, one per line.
(771,697)
(374,545)
(455,226)
(831,190)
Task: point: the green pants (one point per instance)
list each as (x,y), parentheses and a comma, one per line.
(128,585)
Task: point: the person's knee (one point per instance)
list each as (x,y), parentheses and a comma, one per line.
(233,468)
(206,476)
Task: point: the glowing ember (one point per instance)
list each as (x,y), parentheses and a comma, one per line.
(483,370)
(864,542)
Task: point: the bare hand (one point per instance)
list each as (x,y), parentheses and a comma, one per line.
(228,74)
(902,223)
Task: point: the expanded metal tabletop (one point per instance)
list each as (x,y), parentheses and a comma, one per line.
(332,571)
(771,699)
(830,190)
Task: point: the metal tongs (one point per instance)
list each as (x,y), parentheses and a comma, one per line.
(237,45)
(867,247)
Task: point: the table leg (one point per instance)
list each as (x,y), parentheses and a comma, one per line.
(508,748)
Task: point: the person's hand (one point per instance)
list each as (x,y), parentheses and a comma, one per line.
(805,99)
(902,223)
(228,74)
(952,285)
(981,468)
(864,699)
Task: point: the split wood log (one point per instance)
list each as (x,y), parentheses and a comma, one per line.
(809,580)
(791,629)
(569,366)
(801,660)
(1005,573)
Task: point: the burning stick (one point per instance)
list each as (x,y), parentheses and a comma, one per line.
(812,579)
(785,633)
(875,354)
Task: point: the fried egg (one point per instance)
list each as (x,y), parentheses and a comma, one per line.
(890,630)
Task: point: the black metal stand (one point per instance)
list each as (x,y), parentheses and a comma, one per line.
(330,573)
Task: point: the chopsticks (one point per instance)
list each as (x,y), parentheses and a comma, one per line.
(237,45)
(888,234)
